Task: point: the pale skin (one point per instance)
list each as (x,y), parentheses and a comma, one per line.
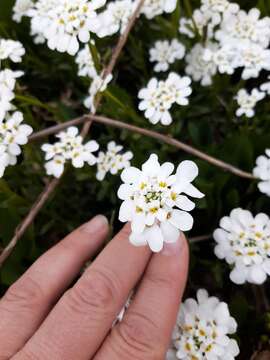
(43,318)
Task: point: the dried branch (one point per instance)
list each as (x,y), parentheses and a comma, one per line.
(196,239)
(153,134)
(37,206)
(27,221)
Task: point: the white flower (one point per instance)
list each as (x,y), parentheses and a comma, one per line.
(166,53)
(115,18)
(21,9)
(247,102)
(13,134)
(220,6)
(7,86)
(262,171)
(112,161)
(63,23)
(244,242)
(245,26)
(98,85)
(159,96)
(68,148)
(85,62)
(197,67)
(266,86)
(149,199)
(152,8)
(202,330)
(223,57)
(10,49)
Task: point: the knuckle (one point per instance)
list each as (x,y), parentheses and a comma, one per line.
(140,336)
(96,293)
(25,294)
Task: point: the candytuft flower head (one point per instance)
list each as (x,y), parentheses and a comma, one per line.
(166,53)
(69,147)
(10,49)
(13,134)
(112,161)
(202,330)
(152,8)
(151,197)
(262,171)
(159,96)
(98,85)
(247,102)
(243,241)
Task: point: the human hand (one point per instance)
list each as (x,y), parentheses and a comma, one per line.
(39,319)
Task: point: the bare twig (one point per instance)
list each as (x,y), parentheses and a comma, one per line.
(37,206)
(27,221)
(196,239)
(153,134)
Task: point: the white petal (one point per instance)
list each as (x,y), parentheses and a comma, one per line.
(137,239)
(130,175)
(184,203)
(187,170)
(154,238)
(181,220)
(170,232)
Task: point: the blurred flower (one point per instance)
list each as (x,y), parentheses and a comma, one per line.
(63,23)
(69,147)
(262,171)
(10,49)
(12,134)
(266,86)
(202,329)
(247,102)
(152,8)
(98,85)
(21,8)
(197,67)
(159,96)
(242,26)
(115,18)
(7,85)
(149,199)
(166,53)
(244,242)
(112,161)
(85,62)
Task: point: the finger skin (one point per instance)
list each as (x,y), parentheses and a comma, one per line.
(80,321)
(145,331)
(29,300)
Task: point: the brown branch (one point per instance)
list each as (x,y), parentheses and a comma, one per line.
(153,134)
(27,221)
(196,239)
(37,206)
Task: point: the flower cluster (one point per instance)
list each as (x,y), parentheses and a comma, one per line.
(98,85)
(149,199)
(115,17)
(86,63)
(69,147)
(10,49)
(62,23)
(241,38)
(262,171)
(152,8)
(247,102)
(159,96)
(166,53)
(202,330)
(244,242)
(112,161)
(13,133)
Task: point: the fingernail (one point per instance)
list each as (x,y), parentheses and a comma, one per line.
(96,224)
(172,249)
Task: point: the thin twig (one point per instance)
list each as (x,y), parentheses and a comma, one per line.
(196,239)
(37,206)
(27,221)
(153,134)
